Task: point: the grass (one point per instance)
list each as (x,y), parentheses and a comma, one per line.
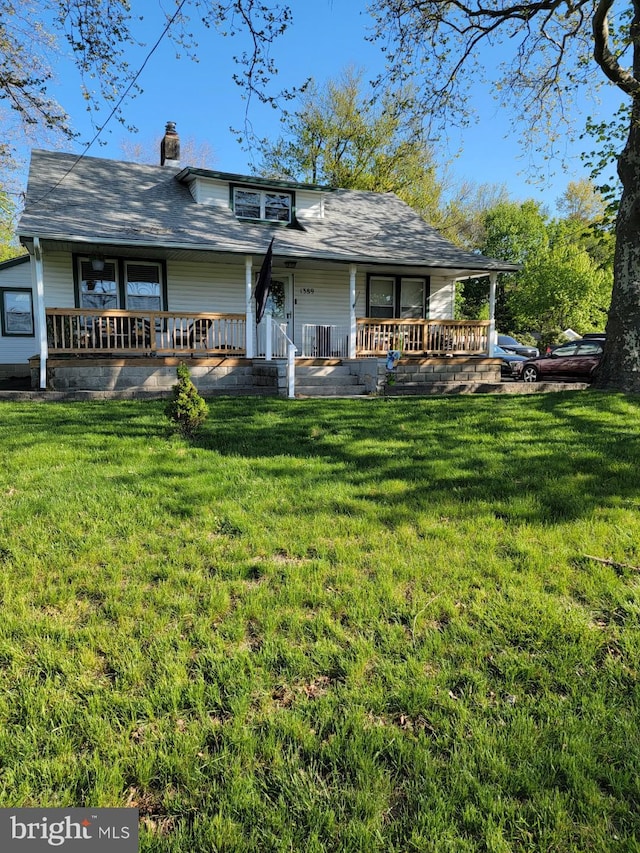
(327,625)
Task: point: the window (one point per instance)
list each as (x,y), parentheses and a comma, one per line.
(382,297)
(17,312)
(396,296)
(566,349)
(134,285)
(143,291)
(590,348)
(247,204)
(412,298)
(269,205)
(98,288)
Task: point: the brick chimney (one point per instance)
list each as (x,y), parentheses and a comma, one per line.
(170,146)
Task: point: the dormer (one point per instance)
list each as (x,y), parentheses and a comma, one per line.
(254,199)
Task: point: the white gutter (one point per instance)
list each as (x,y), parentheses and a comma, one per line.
(40,312)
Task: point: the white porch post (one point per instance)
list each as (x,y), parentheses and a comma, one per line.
(352,310)
(291,371)
(268,330)
(250,322)
(40,312)
(493,280)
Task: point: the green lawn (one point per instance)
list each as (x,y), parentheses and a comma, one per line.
(367,625)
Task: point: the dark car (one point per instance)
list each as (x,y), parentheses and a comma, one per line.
(572,362)
(512,345)
(507,360)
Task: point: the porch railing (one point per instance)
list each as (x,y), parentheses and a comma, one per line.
(422,337)
(79,331)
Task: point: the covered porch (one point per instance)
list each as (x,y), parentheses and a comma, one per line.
(82,332)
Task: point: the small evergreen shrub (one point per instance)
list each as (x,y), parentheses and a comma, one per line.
(186,409)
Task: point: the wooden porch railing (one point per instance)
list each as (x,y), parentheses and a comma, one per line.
(422,337)
(80,331)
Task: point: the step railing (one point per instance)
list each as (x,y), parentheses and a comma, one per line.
(277,343)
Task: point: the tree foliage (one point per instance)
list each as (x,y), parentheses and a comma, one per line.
(582,201)
(186,409)
(561,289)
(567,267)
(8,243)
(341,136)
(513,232)
(548,49)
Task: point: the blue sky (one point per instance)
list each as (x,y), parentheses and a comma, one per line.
(325,38)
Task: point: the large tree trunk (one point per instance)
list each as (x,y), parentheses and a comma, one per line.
(620,367)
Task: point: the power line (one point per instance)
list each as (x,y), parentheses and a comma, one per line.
(113,111)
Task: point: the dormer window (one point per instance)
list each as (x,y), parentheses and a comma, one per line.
(267,205)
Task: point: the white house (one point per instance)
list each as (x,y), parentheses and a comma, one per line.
(135,267)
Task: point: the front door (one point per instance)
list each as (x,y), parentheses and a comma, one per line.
(281,307)
(280,304)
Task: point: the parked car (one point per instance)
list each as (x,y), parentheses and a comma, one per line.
(575,361)
(512,345)
(507,360)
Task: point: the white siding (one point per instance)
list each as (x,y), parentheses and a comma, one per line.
(322,297)
(441,298)
(210,192)
(17,350)
(310,204)
(208,286)
(57,269)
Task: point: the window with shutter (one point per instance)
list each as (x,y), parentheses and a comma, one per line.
(98,289)
(143,290)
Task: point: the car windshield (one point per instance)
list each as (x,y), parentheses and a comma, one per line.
(507,339)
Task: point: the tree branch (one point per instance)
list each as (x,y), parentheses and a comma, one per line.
(603,55)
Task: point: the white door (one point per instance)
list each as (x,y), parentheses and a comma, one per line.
(280,303)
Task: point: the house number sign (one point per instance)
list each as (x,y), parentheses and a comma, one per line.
(307,290)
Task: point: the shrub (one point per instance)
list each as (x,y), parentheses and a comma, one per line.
(186,409)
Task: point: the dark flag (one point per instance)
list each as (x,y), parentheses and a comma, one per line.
(263,287)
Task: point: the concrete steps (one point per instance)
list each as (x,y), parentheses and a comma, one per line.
(327,380)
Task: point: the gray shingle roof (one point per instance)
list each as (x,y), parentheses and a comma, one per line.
(97,200)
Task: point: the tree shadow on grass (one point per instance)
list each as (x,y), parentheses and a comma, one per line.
(548,459)
(545,458)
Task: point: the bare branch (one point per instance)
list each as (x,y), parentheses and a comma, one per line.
(603,55)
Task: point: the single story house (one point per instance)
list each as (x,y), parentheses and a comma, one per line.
(133,268)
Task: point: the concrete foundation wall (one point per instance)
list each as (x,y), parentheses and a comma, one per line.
(257,377)
(415,376)
(210,376)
